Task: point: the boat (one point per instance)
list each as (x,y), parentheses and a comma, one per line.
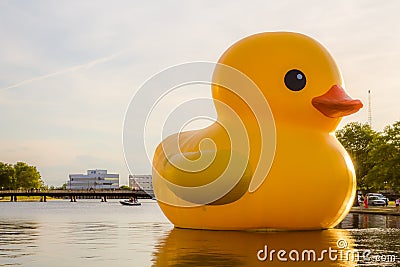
(130,202)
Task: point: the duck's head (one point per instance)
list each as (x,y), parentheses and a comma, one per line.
(296,74)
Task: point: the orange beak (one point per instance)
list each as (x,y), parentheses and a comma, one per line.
(336,103)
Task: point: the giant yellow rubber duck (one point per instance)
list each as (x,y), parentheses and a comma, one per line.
(270,160)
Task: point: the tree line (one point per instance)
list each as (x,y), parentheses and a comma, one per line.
(19,176)
(376,155)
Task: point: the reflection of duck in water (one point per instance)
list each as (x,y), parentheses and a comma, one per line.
(184,247)
(311,182)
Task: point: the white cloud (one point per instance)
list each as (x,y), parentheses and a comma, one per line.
(86,65)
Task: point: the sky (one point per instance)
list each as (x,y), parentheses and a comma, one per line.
(69,69)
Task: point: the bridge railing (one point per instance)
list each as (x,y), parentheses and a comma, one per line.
(67,191)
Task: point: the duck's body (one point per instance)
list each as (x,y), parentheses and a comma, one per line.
(310,183)
(303,190)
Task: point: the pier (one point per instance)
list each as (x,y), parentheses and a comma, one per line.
(73,195)
(376,210)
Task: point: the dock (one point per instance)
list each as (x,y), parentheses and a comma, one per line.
(376,210)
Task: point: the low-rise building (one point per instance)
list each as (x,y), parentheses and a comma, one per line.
(94,179)
(141,182)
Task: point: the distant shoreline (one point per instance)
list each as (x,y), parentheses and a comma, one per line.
(28,199)
(390,210)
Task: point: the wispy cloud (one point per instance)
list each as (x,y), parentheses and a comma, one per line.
(86,65)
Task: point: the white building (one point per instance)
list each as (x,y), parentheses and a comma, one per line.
(94,179)
(143,182)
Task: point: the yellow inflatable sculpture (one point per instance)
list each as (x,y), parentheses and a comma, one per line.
(271,159)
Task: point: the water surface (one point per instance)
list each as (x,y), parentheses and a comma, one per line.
(91,233)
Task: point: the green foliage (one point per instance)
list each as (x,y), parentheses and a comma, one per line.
(7,176)
(376,155)
(63,187)
(358,140)
(125,187)
(385,158)
(19,175)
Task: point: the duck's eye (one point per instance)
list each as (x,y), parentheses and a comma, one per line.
(295,80)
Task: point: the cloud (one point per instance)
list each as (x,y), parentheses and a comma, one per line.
(86,65)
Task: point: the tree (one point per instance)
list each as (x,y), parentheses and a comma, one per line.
(359,139)
(125,187)
(27,176)
(7,176)
(63,187)
(385,158)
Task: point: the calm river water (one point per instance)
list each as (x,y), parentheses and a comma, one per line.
(91,233)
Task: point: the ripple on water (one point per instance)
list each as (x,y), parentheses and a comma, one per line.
(17,239)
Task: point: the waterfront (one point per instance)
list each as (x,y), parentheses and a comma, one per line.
(91,233)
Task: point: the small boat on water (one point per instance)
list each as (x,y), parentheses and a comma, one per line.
(130,202)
